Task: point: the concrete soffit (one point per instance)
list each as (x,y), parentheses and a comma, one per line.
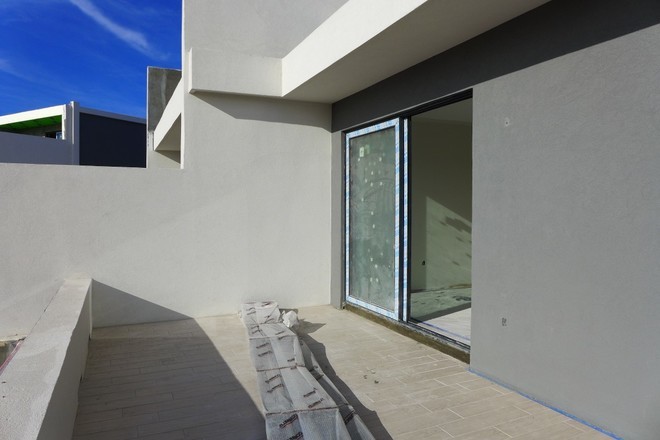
(363,42)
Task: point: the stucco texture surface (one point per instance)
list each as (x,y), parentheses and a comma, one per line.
(565,232)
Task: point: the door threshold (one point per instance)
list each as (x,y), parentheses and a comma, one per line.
(419,334)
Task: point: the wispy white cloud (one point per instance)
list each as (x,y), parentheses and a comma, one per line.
(5,66)
(131,37)
(8,67)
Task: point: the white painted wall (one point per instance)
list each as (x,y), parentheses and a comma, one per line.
(237,47)
(324,50)
(247,218)
(259,27)
(367,41)
(350,27)
(566,232)
(167,134)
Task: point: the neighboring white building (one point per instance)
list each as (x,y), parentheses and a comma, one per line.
(72,135)
(411,158)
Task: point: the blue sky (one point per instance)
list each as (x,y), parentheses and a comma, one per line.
(95,52)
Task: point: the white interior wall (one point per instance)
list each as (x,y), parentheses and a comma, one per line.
(441,202)
(566,232)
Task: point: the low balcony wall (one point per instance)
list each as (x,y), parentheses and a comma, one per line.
(39,386)
(23,148)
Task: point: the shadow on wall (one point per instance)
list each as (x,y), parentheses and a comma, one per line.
(167,380)
(270,109)
(111,306)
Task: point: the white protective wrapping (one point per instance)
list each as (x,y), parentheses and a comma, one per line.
(299,401)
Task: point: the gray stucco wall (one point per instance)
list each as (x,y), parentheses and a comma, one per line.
(566,202)
(567,233)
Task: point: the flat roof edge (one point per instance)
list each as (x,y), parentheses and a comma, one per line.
(29,115)
(106,114)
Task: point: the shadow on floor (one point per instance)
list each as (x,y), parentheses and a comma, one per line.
(369,417)
(167,381)
(112,306)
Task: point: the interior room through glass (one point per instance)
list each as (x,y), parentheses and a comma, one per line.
(440,154)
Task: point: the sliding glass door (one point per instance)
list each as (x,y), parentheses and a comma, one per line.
(373,217)
(441,220)
(408,241)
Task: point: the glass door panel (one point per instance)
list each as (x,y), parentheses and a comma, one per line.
(441,220)
(372,218)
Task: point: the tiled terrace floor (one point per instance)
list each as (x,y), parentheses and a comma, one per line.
(193,379)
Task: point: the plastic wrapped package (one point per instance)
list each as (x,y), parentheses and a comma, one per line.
(277,330)
(323,424)
(299,401)
(290,319)
(275,353)
(292,389)
(257,313)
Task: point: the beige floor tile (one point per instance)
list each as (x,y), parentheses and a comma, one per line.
(483,421)
(576,424)
(484,434)
(533,407)
(118,434)
(99,416)
(405,412)
(193,379)
(86,407)
(530,423)
(432,433)
(435,392)
(481,406)
(114,424)
(592,435)
(476,384)
(172,435)
(555,431)
(398,426)
(457,376)
(464,397)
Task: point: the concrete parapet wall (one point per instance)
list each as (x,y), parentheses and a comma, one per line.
(39,386)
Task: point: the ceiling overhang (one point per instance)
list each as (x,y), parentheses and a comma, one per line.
(362,43)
